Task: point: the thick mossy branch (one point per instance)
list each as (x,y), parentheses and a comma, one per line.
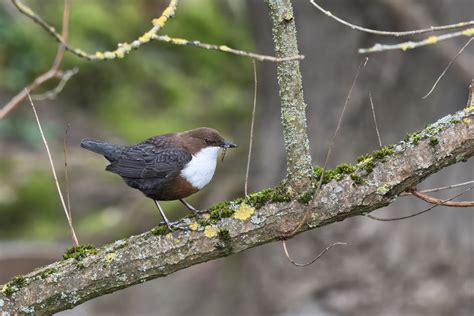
(234,226)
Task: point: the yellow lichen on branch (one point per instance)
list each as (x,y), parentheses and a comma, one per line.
(124,49)
(410,44)
(391,33)
(222,48)
(210,231)
(194,226)
(244,212)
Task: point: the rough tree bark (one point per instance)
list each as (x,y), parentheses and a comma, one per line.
(293,107)
(262,217)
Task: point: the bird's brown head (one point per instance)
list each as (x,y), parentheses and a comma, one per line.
(203,137)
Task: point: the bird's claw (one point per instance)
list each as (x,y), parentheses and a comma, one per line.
(198,213)
(173,226)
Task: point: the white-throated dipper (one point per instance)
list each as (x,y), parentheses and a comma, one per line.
(165,167)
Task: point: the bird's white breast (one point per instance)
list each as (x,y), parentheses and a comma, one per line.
(200,169)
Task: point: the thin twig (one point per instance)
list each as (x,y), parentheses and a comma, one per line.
(125,48)
(453,186)
(447,68)
(391,33)
(69,220)
(65,33)
(339,122)
(122,49)
(223,48)
(51,73)
(52,94)
(312,260)
(251,127)
(470,96)
(375,119)
(410,45)
(66,172)
(418,213)
(430,199)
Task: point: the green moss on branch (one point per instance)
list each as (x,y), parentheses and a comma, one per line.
(79,252)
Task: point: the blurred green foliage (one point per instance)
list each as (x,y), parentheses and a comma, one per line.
(156,89)
(33,211)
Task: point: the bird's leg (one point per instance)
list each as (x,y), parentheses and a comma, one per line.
(190,207)
(167,222)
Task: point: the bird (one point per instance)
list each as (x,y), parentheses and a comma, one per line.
(166,167)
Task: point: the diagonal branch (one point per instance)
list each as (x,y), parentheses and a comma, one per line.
(242,224)
(447,187)
(401,218)
(431,40)
(430,199)
(223,48)
(51,163)
(53,72)
(124,49)
(392,33)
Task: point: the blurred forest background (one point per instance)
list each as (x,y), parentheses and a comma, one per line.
(422,266)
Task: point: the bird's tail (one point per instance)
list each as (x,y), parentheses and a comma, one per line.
(109,151)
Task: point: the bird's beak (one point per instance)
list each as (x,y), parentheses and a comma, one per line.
(228,144)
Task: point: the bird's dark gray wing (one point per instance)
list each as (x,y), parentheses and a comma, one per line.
(145,161)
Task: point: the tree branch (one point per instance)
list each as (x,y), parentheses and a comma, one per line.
(53,72)
(430,199)
(244,223)
(432,40)
(392,33)
(124,49)
(293,107)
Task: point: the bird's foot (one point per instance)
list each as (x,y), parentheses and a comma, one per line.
(196,212)
(199,213)
(173,226)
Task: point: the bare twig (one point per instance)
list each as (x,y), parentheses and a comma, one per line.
(448,187)
(339,122)
(470,97)
(125,48)
(441,202)
(69,220)
(122,49)
(65,33)
(66,173)
(52,94)
(447,67)
(223,48)
(410,45)
(312,260)
(51,73)
(433,200)
(391,33)
(251,127)
(375,119)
